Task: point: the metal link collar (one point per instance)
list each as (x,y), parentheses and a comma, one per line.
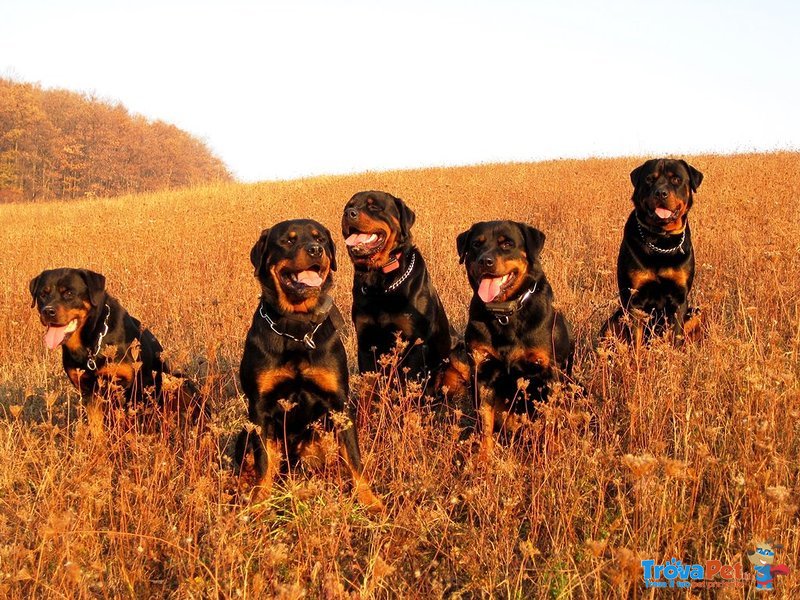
(308,338)
(398,283)
(91,364)
(655,248)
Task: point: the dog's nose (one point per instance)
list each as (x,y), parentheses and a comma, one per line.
(49,311)
(352,213)
(661,194)
(486,261)
(314,250)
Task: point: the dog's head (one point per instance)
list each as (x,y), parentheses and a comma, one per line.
(763,553)
(502,257)
(294,260)
(663,193)
(374,225)
(65,298)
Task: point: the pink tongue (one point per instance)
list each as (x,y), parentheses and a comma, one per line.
(54,336)
(310,278)
(663,213)
(357,238)
(489,288)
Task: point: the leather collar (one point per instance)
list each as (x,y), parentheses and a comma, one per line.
(503,310)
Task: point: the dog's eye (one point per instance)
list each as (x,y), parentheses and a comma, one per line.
(375,207)
(676,180)
(650,179)
(477,243)
(290,241)
(67,294)
(506,244)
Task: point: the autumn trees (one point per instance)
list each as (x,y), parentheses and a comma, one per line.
(59,144)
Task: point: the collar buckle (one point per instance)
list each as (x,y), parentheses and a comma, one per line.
(309,341)
(502,311)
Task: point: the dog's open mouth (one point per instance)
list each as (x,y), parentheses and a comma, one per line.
(56,334)
(302,280)
(362,244)
(491,287)
(665,214)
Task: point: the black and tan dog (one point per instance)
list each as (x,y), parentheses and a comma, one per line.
(105,350)
(655,267)
(513,330)
(294,367)
(392,289)
(96,335)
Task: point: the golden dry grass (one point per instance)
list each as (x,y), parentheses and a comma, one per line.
(690,453)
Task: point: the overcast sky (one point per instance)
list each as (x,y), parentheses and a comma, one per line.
(286,89)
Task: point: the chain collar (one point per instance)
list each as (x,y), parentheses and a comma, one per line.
(405,275)
(503,310)
(308,338)
(91,364)
(655,248)
(400,280)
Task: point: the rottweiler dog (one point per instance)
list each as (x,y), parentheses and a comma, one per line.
(103,347)
(294,366)
(513,331)
(392,289)
(655,267)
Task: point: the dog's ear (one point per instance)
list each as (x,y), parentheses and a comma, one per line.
(640,172)
(330,247)
(96,284)
(534,241)
(257,253)
(407,218)
(695,176)
(33,286)
(462,244)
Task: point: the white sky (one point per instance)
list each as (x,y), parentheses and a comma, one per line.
(285,89)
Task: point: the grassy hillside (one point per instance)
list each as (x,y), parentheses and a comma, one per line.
(61,144)
(689,453)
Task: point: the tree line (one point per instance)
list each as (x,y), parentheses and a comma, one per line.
(61,144)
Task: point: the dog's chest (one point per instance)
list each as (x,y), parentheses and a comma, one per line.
(667,276)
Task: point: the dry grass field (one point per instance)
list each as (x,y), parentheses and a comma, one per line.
(691,453)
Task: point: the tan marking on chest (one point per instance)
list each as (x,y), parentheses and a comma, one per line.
(678,276)
(481,352)
(268,379)
(641,277)
(534,356)
(324,378)
(362,321)
(120,373)
(402,323)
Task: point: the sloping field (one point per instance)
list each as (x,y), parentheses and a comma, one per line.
(690,453)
